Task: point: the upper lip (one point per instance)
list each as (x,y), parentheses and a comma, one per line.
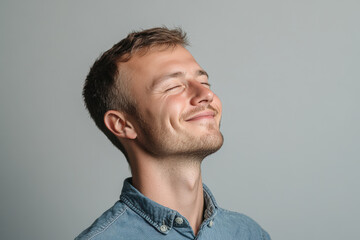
(202,114)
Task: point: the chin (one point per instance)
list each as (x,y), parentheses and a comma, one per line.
(209,145)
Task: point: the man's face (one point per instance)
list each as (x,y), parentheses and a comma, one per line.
(177,113)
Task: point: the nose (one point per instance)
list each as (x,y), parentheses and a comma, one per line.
(201,94)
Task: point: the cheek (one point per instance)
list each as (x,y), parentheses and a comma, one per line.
(172,109)
(217,104)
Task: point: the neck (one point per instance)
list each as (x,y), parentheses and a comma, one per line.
(175,184)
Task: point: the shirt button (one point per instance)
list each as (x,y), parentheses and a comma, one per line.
(163,228)
(179,220)
(211,223)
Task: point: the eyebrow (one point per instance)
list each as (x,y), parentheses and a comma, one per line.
(166,77)
(202,73)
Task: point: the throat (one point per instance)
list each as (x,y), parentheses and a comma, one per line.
(176,187)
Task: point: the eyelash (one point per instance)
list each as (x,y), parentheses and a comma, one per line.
(169,89)
(207,84)
(204,83)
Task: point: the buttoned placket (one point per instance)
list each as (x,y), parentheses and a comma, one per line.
(167,220)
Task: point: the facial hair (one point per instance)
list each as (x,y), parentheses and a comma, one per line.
(160,143)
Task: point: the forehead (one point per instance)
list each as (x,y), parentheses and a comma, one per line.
(158,61)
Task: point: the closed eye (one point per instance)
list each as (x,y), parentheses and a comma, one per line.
(173,88)
(206,84)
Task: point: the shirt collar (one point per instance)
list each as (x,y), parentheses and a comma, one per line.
(156,214)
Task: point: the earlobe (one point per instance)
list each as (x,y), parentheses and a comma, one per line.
(119,125)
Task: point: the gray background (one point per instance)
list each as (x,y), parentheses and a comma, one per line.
(288,76)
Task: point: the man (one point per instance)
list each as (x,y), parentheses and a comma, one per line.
(153,101)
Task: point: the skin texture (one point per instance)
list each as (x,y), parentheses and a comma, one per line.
(176,126)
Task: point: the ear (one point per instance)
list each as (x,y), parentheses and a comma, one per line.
(119,125)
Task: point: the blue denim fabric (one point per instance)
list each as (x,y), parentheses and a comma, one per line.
(137,217)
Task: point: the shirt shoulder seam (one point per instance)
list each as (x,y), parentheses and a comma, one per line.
(108,223)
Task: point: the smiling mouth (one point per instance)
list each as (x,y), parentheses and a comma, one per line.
(202,115)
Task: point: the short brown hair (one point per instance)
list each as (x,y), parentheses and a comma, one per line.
(105,88)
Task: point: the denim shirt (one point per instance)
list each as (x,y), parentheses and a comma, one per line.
(135,216)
